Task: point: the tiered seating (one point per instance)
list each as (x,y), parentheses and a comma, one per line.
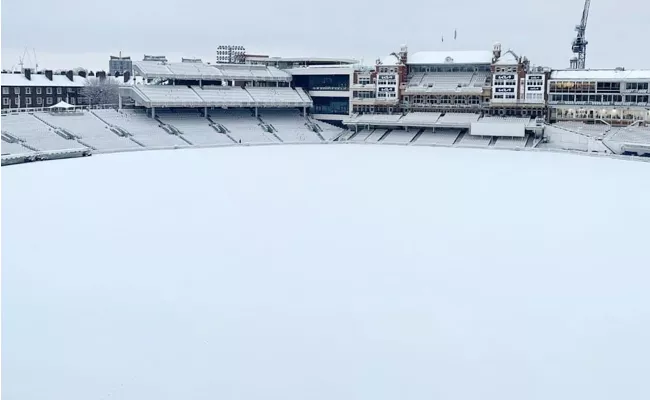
(459,118)
(400,137)
(144,129)
(228,96)
(479,78)
(475,141)
(510,143)
(92,131)
(360,136)
(36,133)
(563,139)
(14,148)
(275,95)
(441,136)
(442,82)
(290,125)
(242,125)
(635,135)
(420,117)
(303,95)
(195,71)
(328,132)
(376,135)
(170,95)
(195,128)
(594,130)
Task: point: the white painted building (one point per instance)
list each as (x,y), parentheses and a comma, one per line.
(616,96)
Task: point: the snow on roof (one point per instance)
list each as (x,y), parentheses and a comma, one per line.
(508,58)
(389,61)
(601,74)
(451,57)
(41,80)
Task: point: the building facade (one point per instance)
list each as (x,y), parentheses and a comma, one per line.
(616,97)
(120,65)
(27,89)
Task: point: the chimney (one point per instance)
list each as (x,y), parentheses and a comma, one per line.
(101,75)
(62,73)
(82,73)
(48,74)
(91,73)
(127,76)
(117,74)
(28,74)
(70,75)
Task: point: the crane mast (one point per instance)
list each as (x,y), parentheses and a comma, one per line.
(579,47)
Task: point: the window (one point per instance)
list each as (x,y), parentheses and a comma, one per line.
(59,99)
(48,90)
(58,90)
(49,100)
(73,101)
(17,101)
(16,90)
(5,90)
(39,101)
(28,90)
(39,90)
(5,101)
(28,101)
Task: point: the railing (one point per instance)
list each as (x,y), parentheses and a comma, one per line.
(7,111)
(49,155)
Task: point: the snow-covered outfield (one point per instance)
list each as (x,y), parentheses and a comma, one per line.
(326,272)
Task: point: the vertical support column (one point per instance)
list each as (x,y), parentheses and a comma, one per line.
(304,112)
(205,111)
(201,83)
(153,112)
(255,112)
(119,101)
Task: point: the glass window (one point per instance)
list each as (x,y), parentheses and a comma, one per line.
(5,101)
(48,90)
(28,90)
(49,99)
(16,90)
(5,90)
(58,90)
(28,101)
(39,101)
(39,90)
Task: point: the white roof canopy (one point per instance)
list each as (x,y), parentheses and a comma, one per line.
(451,57)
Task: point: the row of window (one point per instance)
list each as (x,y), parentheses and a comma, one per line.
(504,96)
(449,68)
(443,99)
(600,98)
(39,90)
(590,87)
(505,83)
(384,94)
(636,86)
(505,69)
(6,101)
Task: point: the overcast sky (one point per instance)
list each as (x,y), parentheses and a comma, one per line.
(85,34)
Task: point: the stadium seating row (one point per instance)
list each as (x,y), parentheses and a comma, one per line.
(217,96)
(112,130)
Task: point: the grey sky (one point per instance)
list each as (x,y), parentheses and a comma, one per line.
(362,29)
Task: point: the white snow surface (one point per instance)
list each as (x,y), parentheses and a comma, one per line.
(326,272)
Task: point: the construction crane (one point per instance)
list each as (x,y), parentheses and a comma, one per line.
(579,47)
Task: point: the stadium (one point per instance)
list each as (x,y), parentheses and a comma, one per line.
(441,224)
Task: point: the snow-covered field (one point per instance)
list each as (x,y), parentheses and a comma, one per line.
(326,272)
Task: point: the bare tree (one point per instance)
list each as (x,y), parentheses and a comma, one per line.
(100,91)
